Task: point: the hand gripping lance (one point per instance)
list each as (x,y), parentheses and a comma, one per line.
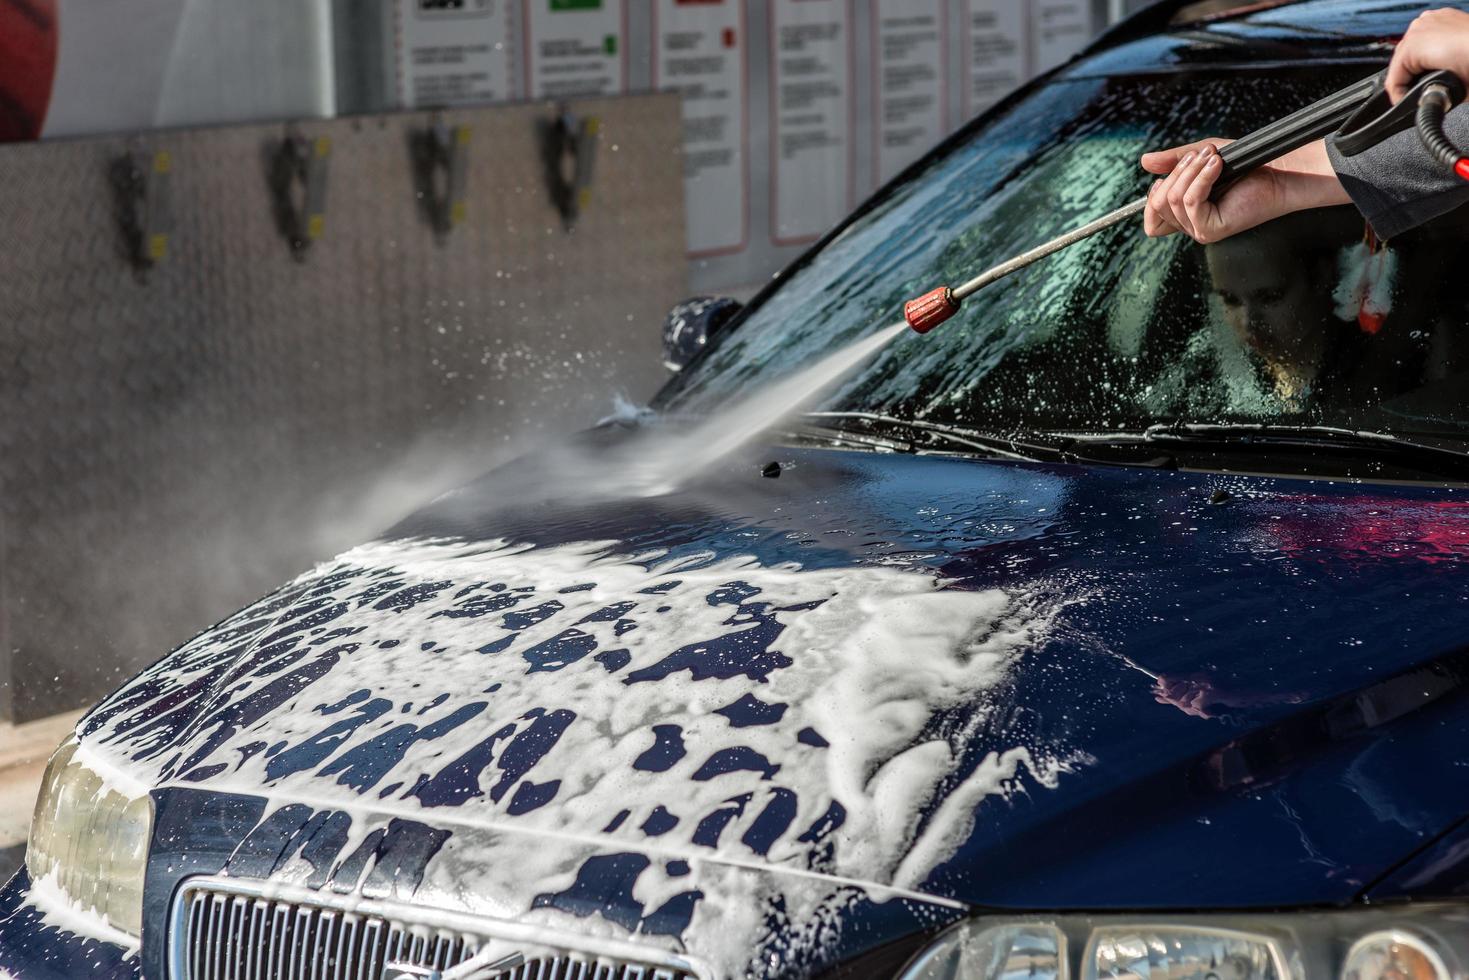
(1361,114)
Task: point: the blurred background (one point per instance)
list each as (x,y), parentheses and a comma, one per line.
(274,273)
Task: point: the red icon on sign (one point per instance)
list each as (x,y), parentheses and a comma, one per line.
(729,37)
(28,44)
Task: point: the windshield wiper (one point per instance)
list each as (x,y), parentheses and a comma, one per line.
(1443,458)
(913,436)
(1303,447)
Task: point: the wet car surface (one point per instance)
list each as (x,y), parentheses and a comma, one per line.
(799,726)
(385,723)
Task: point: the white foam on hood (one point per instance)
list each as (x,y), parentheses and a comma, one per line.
(117,776)
(879,656)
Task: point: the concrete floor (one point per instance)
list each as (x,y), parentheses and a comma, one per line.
(24,750)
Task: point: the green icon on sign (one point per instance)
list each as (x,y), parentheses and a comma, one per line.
(609,44)
(560,5)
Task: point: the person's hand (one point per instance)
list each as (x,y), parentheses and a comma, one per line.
(1436,39)
(1180,201)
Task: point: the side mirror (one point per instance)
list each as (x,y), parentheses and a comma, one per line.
(691,325)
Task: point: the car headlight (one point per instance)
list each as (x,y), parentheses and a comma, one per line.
(1418,942)
(90,839)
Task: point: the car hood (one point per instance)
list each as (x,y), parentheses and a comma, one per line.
(994,683)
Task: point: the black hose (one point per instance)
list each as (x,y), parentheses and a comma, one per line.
(1433,105)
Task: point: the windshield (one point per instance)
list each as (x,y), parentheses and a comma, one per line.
(1305,320)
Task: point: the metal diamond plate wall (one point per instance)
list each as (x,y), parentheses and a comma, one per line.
(176,441)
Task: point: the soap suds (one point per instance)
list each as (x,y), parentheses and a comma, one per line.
(61,911)
(116,775)
(745,715)
(863,657)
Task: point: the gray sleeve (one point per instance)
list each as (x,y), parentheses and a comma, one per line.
(1397,185)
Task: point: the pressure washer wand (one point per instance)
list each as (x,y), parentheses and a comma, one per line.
(937,305)
(1362,111)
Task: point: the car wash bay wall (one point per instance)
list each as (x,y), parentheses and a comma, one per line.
(192,410)
(794,110)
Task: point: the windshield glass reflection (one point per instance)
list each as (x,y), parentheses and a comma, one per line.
(1305,320)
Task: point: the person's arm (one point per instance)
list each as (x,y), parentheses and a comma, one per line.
(1180,201)
(1397,185)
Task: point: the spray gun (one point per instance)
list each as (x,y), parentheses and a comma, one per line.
(1361,114)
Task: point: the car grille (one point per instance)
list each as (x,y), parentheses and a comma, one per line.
(221,934)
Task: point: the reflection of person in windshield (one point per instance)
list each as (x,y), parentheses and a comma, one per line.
(1275,285)
(1200,697)
(1292,294)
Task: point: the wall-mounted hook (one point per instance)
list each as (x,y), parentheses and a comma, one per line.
(440,174)
(568,150)
(298,172)
(142,183)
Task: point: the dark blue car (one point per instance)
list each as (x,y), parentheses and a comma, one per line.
(1118,629)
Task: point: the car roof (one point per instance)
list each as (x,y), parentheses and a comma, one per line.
(1184,34)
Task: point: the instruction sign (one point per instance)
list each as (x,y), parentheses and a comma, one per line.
(1058,29)
(575,47)
(811,109)
(995,52)
(453,51)
(699,51)
(910,53)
